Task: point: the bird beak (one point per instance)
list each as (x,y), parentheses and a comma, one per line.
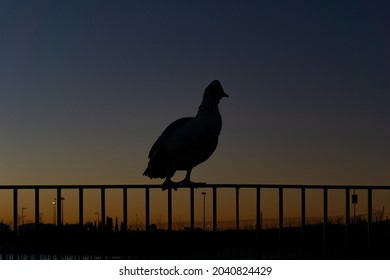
(225,95)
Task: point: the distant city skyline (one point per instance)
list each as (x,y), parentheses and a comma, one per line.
(181,209)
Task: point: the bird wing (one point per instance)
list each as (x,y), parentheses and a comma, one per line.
(166,136)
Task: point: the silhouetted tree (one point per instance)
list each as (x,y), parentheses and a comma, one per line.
(109,225)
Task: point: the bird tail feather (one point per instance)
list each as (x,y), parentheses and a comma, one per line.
(156,169)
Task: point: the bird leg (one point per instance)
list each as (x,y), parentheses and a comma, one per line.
(168,183)
(187,181)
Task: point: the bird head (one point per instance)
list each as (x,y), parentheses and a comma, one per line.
(214,92)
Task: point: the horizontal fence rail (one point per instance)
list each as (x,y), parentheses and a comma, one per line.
(215,188)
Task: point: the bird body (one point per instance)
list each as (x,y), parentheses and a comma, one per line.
(189,141)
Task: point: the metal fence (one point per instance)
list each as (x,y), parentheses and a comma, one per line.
(216,188)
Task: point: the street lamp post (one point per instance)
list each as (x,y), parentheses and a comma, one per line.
(23,208)
(204,210)
(97,223)
(354,202)
(54,211)
(62,210)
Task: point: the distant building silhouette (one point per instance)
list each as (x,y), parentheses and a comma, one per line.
(4,227)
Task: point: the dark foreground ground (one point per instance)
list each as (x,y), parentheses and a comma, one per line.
(81,243)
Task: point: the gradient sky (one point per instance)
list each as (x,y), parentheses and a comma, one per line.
(86,87)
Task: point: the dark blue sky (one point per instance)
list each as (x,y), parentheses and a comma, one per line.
(87,86)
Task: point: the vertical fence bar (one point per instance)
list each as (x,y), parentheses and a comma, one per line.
(303,219)
(369,222)
(58,205)
(237,208)
(280,222)
(81,207)
(324,251)
(15,210)
(347,219)
(169,209)
(214,208)
(147,208)
(125,209)
(37,206)
(258,223)
(258,209)
(192,208)
(103,206)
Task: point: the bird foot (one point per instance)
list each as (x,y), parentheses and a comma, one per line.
(188,183)
(185,183)
(170,184)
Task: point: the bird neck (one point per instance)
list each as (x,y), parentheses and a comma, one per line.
(207,108)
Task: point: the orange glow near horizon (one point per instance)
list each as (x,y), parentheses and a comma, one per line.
(226,204)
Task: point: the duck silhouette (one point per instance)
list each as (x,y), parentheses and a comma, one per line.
(188,141)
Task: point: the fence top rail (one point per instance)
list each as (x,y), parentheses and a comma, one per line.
(201,185)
